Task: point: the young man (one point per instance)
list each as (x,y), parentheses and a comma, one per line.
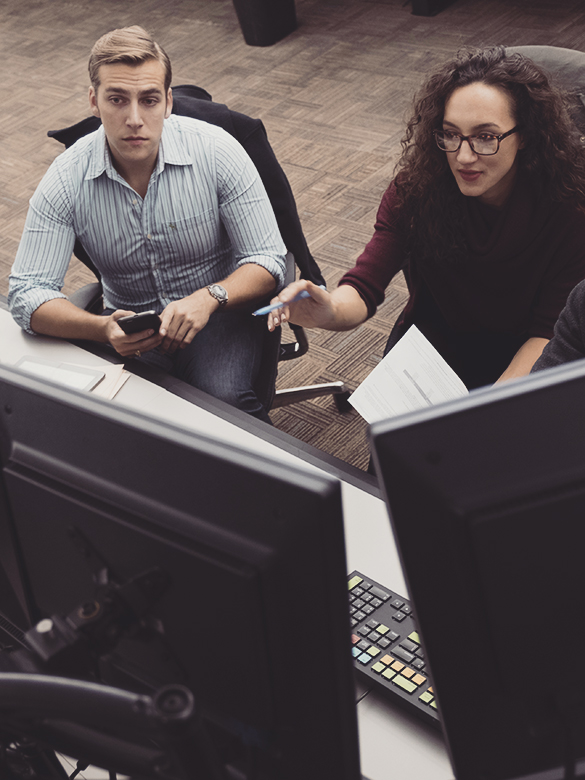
(173,214)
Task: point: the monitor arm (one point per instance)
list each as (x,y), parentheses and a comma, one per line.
(160,736)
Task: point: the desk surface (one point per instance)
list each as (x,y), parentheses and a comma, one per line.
(392,744)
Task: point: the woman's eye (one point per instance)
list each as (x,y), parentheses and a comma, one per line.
(486,137)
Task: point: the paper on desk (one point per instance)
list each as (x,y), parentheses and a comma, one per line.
(413,375)
(115,378)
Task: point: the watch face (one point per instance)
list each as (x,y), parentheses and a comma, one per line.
(218,292)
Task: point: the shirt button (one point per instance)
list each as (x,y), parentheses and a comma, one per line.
(148,236)
(134,202)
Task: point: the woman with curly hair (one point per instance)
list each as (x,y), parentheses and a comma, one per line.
(485,216)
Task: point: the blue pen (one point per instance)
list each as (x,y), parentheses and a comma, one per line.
(274,306)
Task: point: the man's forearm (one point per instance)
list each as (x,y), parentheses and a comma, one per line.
(59,317)
(249,282)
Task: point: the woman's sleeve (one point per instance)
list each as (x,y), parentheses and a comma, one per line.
(383,256)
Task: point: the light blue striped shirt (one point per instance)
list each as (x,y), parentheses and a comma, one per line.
(205,213)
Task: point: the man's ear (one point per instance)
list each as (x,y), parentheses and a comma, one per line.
(169,107)
(93,102)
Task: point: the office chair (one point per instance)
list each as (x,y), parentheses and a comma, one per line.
(193,101)
(567,67)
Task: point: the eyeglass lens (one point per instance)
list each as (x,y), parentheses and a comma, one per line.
(450,142)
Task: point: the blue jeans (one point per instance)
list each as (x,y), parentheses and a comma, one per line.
(223,360)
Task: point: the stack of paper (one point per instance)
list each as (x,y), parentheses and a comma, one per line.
(413,375)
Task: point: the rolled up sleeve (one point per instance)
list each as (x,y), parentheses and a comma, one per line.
(246,212)
(44,252)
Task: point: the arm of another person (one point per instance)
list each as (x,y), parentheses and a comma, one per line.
(524,359)
(360,290)
(551,307)
(568,342)
(259,251)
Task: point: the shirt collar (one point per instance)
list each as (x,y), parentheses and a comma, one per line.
(100,160)
(171,151)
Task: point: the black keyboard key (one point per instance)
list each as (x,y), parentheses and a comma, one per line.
(403,654)
(383,642)
(376,603)
(379,593)
(358,603)
(373,624)
(363,645)
(365,585)
(367,609)
(357,591)
(363,631)
(359,616)
(418,663)
(393,636)
(397,603)
(411,647)
(367,597)
(406,609)
(398,616)
(374,636)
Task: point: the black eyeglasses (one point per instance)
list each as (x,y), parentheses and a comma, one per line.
(484,143)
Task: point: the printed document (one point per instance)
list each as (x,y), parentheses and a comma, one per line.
(413,375)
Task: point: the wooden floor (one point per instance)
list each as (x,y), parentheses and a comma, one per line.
(333,96)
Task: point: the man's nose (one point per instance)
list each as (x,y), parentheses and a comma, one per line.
(466,153)
(134,117)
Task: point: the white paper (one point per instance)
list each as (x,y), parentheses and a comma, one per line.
(413,375)
(115,378)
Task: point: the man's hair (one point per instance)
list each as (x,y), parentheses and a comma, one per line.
(129,46)
(553,155)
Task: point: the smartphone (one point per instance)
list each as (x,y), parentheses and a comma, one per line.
(134,323)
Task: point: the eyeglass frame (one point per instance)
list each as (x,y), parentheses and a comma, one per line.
(468,138)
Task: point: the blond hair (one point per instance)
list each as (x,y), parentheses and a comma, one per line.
(130,46)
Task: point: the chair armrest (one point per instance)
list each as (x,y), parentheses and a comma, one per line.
(89,298)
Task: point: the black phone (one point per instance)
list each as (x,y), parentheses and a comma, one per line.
(145,320)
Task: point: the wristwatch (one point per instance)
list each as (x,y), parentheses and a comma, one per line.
(219,293)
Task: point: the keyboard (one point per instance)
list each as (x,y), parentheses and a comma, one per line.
(386,647)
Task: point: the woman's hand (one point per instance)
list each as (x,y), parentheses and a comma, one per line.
(342,309)
(316,309)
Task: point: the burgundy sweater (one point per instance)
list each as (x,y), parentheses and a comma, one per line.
(523,262)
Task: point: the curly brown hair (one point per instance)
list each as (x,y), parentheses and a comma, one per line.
(553,155)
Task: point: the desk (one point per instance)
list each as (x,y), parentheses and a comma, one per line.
(393,745)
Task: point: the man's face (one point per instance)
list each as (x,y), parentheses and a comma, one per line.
(132,104)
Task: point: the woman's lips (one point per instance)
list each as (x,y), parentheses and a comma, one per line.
(470,175)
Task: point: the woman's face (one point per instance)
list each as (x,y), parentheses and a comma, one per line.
(472,110)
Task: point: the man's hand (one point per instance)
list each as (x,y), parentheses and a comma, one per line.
(182,320)
(133,343)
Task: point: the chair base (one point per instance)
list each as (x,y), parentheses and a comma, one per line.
(338,390)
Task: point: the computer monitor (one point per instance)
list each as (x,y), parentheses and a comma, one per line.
(253,617)
(487,502)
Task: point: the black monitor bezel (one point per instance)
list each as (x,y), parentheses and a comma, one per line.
(440,469)
(333,695)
